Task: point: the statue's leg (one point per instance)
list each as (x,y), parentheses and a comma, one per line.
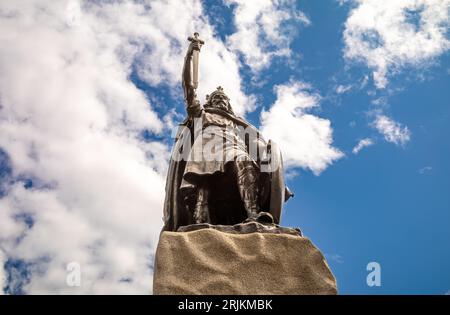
(201,210)
(248,185)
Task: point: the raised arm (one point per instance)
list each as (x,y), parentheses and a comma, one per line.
(190,76)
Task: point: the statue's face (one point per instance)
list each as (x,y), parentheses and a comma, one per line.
(220,101)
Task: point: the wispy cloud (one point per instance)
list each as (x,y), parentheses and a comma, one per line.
(389,36)
(425,169)
(84,185)
(336,258)
(363,143)
(391,130)
(341,89)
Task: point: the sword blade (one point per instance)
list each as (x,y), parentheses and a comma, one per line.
(195,54)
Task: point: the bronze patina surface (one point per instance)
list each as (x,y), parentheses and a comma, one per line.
(222,171)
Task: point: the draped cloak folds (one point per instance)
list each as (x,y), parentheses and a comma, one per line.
(175,211)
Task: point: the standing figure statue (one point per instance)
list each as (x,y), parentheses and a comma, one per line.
(221,171)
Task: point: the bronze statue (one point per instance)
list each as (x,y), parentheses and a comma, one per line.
(222,171)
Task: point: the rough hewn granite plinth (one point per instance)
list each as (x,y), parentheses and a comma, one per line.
(209,261)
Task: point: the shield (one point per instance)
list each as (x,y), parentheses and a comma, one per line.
(278,191)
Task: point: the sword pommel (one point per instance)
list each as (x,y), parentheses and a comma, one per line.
(196,39)
(196,45)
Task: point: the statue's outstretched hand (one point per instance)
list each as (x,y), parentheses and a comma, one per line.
(194,45)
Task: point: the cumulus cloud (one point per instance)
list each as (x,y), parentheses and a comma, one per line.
(363,143)
(391,130)
(389,36)
(305,139)
(157,31)
(263,31)
(84,186)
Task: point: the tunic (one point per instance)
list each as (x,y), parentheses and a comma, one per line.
(218,143)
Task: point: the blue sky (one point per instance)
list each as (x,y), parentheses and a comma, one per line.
(93,138)
(387,204)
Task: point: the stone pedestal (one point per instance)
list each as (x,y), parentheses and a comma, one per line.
(210,261)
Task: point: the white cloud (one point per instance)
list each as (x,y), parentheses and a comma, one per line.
(156,36)
(336,258)
(305,139)
(262,32)
(391,130)
(425,169)
(390,35)
(69,120)
(363,143)
(341,89)
(364,82)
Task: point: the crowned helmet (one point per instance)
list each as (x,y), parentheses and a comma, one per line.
(211,100)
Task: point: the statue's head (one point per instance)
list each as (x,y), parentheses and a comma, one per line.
(218,99)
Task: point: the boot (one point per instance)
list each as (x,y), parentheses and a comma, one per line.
(201,209)
(250,199)
(247,181)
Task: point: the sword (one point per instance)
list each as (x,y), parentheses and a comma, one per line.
(195,55)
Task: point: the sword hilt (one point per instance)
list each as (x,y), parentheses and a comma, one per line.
(195,38)
(196,45)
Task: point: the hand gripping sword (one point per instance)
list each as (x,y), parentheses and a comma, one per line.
(195,53)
